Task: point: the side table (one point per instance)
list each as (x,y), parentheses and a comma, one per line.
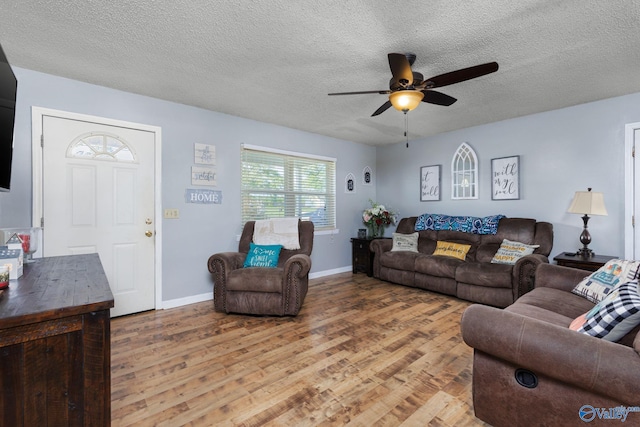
(568,259)
(361,256)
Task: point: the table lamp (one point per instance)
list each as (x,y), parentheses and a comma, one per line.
(587,203)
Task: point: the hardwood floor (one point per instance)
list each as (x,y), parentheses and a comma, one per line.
(361,352)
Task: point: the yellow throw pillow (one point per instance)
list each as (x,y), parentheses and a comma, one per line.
(455,250)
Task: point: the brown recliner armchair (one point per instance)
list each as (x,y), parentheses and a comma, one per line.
(277,291)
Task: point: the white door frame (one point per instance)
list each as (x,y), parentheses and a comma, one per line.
(629,189)
(37,114)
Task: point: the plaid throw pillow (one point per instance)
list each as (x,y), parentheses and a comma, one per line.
(613,317)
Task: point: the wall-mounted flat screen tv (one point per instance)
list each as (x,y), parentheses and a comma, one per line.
(8,86)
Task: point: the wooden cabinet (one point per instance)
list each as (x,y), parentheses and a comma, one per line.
(361,256)
(55,352)
(593,263)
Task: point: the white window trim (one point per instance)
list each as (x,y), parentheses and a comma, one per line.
(288,153)
(331,231)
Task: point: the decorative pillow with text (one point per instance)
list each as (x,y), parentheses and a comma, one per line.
(597,285)
(262,255)
(455,250)
(510,252)
(405,242)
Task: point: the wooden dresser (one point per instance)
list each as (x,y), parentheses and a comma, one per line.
(55,351)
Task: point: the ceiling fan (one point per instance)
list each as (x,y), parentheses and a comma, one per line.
(407,88)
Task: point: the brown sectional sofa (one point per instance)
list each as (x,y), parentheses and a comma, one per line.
(474,279)
(570,378)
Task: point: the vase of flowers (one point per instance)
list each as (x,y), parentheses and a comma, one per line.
(376,218)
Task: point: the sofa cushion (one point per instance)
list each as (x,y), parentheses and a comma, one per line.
(510,252)
(399,260)
(455,250)
(486,251)
(598,284)
(485,274)
(516,229)
(553,300)
(405,242)
(614,316)
(437,265)
(541,314)
(255,280)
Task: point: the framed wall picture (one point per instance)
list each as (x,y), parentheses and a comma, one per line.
(350,183)
(505,178)
(204,154)
(430,183)
(367,176)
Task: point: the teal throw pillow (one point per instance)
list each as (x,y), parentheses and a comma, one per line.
(262,255)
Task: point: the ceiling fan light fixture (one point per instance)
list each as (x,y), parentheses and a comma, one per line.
(406,100)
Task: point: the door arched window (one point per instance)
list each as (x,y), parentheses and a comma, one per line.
(101,146)
(464,173)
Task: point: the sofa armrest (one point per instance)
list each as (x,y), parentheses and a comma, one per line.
(559,277)
(219,266)
(378,247)
(523,274)
(297,265)
(224,262)
(589,363)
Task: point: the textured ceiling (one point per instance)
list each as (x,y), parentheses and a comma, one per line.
(276,61)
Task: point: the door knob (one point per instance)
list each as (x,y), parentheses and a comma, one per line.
(148,233)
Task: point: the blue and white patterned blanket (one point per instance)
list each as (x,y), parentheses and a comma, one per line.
(466,224)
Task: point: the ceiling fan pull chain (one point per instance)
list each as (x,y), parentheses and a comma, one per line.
(406,128)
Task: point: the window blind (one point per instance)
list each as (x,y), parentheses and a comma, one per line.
(278,184)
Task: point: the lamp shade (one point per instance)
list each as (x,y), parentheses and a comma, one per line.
(405,100)
(588,203)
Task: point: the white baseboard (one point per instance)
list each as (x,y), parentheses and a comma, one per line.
(179,302)
(330,272)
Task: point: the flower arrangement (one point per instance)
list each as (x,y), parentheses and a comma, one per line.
(377,217)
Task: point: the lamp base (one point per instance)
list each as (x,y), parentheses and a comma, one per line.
(585,253)
(585,239)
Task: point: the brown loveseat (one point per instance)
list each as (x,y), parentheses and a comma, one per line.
(569,378)
(474,279)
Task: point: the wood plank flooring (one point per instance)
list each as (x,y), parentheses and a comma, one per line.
(361,352)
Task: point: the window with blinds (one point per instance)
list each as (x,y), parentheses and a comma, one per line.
(278,184)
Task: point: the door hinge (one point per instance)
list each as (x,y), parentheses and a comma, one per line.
(633,220)
(42,221)
(42,141)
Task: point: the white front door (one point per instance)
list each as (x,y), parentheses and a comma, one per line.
(98,196)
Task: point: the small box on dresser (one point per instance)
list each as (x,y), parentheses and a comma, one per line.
(12,258)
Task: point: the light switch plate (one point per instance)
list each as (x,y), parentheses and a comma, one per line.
(171,213)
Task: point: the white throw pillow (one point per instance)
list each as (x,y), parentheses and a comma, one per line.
(510,252)
(405,242)
(597,285)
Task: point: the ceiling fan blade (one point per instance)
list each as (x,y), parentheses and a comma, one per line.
(462,75)
(382,108)
(438,98)
(400,69)
(381,92)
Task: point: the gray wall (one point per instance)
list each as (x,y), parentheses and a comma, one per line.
(560,151)
(202,229)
